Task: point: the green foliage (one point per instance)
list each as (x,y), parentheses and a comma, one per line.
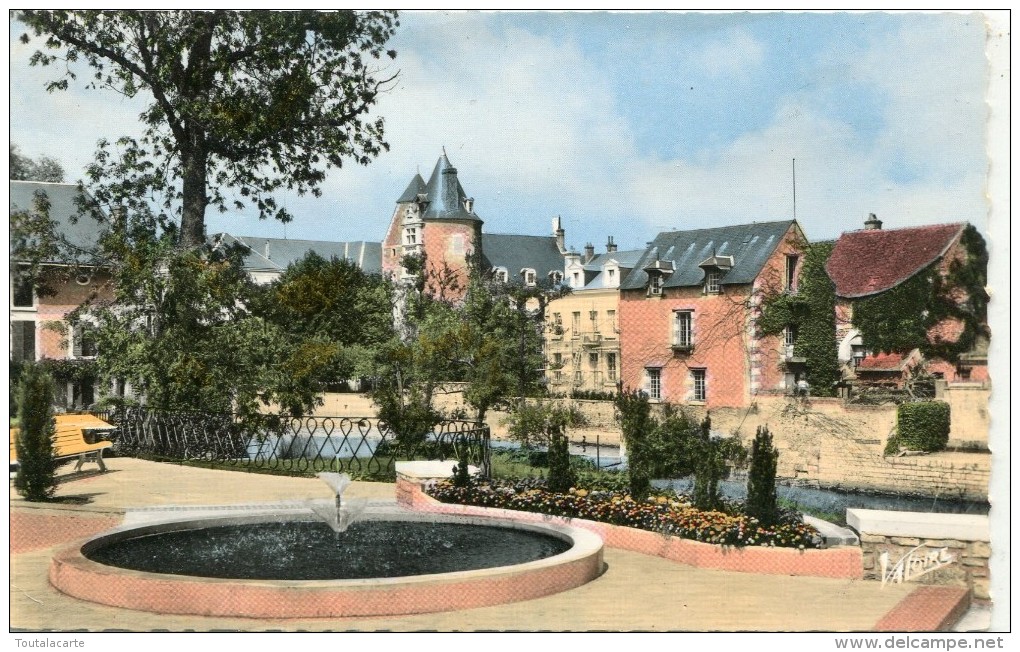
(592,395)
(461,477)
(24,168)
(761,479)
(246,101)
(923,426)
(561,474)
(812,312)
(892,445)
(905,317)
(534,423)
(637,424)
(709,468)
(36,478)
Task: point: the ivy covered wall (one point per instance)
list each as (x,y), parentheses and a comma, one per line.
(941,311)
(812,312)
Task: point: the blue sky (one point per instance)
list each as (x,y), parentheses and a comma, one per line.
(629,124)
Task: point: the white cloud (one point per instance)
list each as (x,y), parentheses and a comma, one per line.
(735,54)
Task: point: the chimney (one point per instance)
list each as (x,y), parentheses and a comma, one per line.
(589,252)
(872,223)
(610,245)
(560,235)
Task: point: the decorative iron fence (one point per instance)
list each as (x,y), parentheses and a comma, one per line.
(363,446)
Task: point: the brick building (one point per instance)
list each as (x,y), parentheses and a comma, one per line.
(38,322)
(583,328)
(688,313)
(869,262)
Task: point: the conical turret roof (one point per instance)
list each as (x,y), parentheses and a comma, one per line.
(416,187)
(445,194)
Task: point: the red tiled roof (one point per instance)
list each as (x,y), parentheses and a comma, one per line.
(871,261)
(882,362)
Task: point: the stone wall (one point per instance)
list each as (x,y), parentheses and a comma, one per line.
(964,536)
(822,442)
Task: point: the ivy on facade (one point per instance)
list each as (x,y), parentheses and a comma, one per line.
(906,317)
(812,313)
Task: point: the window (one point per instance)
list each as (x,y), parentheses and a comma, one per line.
(593,315)
(501,274)
(22,295)
(655,284)
(529,277)
(683,335)
(578,378)
(557,277)
(558,365)
(557,324)
(790,335)
(576,324)
(791,274)
(411,236)
(611,277)
(82,343)
(593,360)
(611,320)
(611,365)
(22,341)
(577,280)
(698,378)
(457,244)
(654,378)
(712,282)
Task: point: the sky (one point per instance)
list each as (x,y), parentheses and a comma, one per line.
(628,124)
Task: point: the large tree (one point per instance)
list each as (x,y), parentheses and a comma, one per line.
(24,168)
(241,103)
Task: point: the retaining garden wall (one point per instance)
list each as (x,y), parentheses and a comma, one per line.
(965,538)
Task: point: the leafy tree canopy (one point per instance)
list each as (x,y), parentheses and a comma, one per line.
(24,168)
(243,103)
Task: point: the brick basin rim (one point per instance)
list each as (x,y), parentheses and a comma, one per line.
(583,543)
(73,573)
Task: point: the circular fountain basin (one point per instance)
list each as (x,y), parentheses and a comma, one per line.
(387,563)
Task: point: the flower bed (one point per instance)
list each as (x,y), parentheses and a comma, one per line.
(673,516)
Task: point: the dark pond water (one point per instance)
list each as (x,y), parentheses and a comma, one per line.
(835,501)
(312,551)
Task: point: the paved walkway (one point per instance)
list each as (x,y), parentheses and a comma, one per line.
(637,592)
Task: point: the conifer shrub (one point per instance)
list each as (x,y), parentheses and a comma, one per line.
(561,474)
(637,426)
(709,468)
(923,426)
(761,479)
(36,479)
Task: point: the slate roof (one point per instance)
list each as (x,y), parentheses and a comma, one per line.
(80,234)
(871,261)
(749,244)
(517,252)
(445,194)
(283,252)
(415,188)
(627,260)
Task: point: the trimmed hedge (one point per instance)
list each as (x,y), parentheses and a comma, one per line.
(923,426)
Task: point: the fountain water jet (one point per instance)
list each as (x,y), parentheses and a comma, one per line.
(340,517)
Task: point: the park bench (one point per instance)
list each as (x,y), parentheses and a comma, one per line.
(69,440)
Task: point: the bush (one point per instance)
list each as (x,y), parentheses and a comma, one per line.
(923,426)
(637,425)
(561,475)
(761,479)
(37,470)
(708,470)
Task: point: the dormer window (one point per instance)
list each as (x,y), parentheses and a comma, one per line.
(715,266)
(657,272)
(556,277)
(529,276)
(655,284)
(501,274)
(712,282)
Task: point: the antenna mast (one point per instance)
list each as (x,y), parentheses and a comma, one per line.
(794,188)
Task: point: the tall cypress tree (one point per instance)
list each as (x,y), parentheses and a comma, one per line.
(761,479)
(37,470)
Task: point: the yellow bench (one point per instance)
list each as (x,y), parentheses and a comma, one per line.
(69,439)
